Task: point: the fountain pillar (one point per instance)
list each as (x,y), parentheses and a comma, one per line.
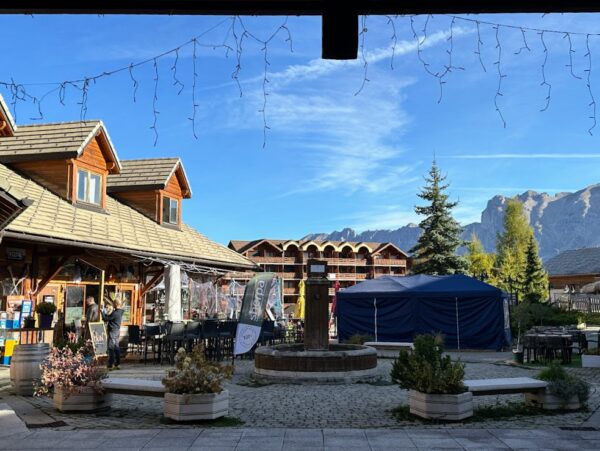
(316,314)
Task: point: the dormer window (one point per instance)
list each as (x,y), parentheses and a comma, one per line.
(89,187)
(170,213)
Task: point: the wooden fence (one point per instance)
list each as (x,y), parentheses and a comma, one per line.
(588,303)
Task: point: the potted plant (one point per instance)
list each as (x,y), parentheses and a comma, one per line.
(29,322)
(435,383)
(564,390)
(73,379)
(46,311)
(591,358)
(194,388)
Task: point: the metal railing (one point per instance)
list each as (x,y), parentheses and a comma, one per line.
(588,303)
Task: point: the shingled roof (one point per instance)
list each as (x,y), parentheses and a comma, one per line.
(6,116)
(374,247)
(148,173)
(59,140)
(12,202)
(121,228)
(572,262)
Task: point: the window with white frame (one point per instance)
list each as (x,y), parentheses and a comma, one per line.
(89,187)
(170,214)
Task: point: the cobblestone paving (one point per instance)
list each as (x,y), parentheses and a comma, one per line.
(318,406)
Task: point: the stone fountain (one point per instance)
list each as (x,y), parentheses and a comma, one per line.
(315,360)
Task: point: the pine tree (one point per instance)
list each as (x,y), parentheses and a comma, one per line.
(511,248)
(435,251)
(481,264)
(535,279)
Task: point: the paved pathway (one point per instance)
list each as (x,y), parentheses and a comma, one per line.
(298,417)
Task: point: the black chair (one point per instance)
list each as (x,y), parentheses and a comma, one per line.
(210,335)
(152,337)
(193,334)
(227,330)
(134,341)
(173,339)
(267,332)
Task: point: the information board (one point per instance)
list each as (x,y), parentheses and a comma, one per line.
(99,338)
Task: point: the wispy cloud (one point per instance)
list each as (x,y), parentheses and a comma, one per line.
(507,156)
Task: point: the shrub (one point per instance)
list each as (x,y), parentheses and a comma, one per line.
(69,370)
(45,308)
(426,370)
(359,339)
(564,385)
(194,374)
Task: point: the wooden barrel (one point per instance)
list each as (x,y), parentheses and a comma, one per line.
(25,367)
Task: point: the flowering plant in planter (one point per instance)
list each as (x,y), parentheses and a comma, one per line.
(45,308)
(194,374)
(70,372)
(194,388)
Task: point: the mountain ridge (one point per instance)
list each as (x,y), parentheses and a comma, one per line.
(560,222)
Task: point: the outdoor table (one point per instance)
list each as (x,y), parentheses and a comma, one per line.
(547,345)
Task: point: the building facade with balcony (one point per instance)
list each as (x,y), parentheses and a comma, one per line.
(348,262)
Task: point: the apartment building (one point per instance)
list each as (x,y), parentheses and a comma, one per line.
(348,262)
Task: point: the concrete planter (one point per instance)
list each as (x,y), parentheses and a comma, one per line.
(441,407)
(590,361)
(85,399)
(551,402)
(203,406)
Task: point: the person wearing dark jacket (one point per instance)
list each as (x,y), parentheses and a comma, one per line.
(113,317)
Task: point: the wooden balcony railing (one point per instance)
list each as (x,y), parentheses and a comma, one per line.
(350,276)
(275,260)
(287,275)
(389,262)
(346,261)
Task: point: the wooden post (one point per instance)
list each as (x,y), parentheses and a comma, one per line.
(316,316)
(101,291)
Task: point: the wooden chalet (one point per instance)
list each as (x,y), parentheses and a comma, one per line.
(76,221)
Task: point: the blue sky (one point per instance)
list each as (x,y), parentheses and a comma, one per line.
(333,158)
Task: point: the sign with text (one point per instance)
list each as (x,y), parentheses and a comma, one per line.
(99,338)
(254,304)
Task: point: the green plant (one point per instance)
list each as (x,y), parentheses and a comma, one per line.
(45,308)
(564,385)
(194,374)
(359,339)
(426,370)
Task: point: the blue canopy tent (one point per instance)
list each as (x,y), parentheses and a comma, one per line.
(471,314)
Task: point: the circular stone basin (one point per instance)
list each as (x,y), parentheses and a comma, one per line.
(341,363)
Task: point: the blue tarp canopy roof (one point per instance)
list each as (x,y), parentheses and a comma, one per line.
(470,314)
(422,285)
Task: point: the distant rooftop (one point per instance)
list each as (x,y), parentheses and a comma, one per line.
(576,261)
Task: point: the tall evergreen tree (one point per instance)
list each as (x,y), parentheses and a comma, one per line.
(535,279)
(435,251)
(481,264)
(511,247)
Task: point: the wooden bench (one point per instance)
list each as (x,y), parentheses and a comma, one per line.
(505,386)
(389,349)
(138,387)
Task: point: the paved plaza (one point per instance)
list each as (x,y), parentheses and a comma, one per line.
(295,416)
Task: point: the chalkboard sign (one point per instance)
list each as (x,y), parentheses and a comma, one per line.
(99,338)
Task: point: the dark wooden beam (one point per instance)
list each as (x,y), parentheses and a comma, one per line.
(340,32)
(291,7)
(150,284)
(52,272)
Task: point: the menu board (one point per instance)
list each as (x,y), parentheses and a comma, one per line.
(99,338)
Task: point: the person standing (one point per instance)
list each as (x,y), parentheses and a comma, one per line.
(92,312)
(113,317)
